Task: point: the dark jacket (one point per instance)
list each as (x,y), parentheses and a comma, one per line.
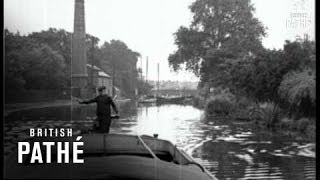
(103,105)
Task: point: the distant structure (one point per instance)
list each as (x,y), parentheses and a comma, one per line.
(100,78)
(79,75)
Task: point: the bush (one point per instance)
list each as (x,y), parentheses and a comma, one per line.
(298,89)
(199,102)
(302,124)
(241,108)
(287,124)
(218,106)
(268,114)
(224,94)
(311,132)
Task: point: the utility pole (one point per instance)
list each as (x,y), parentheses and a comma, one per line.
(147,71)
(141,69)
(158,80)
(113,78)
(132,89)
(92,66)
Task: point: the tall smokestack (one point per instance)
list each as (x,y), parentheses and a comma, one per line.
(79,61)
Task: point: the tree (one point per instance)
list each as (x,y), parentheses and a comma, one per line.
(58,40)
(120,61)
(44,69)
(298,89)
(32,64)
(220,30)
(13,66)
(42,60)
(93,51)
(260,76)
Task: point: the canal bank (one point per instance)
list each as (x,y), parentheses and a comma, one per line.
(10,108)
(266,116)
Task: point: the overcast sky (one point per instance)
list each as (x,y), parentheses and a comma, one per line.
(147,26)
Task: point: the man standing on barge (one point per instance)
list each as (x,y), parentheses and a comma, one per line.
(103,112)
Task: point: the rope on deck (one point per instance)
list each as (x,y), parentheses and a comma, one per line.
(147,147)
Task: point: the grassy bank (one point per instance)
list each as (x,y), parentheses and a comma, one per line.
(264,115)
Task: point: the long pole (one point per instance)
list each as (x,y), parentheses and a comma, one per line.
(92,61)
(141,68)
(113,78)
(158,80)
(131,81)
(139,92)
(147,71)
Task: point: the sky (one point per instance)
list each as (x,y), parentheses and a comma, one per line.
(147,26)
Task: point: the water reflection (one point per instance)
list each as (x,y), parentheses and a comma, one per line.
(230,150)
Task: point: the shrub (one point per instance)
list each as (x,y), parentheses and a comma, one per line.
(244,103)
(199,101)
(267,113)
(302,124)
(218,106)
(311,132)
(287,124)
(299,90)
(241,108)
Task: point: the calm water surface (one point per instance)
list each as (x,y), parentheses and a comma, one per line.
(230,150)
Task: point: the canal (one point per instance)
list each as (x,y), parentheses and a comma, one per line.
(230,150)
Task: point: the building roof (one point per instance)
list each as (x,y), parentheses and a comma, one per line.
(94,67)
(101,73)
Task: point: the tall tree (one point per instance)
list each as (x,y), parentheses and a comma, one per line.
(221,30)
(44,69)
(261,76)
(14,67)
(42,60)
(58,40)
(120,61)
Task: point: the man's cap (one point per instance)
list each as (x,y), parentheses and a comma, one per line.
(101,88)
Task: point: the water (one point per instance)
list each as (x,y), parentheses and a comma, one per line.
(230,150)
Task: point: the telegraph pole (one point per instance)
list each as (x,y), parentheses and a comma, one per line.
(141,69)
(158,80)
(113,78)
(92,66)
(147,71)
